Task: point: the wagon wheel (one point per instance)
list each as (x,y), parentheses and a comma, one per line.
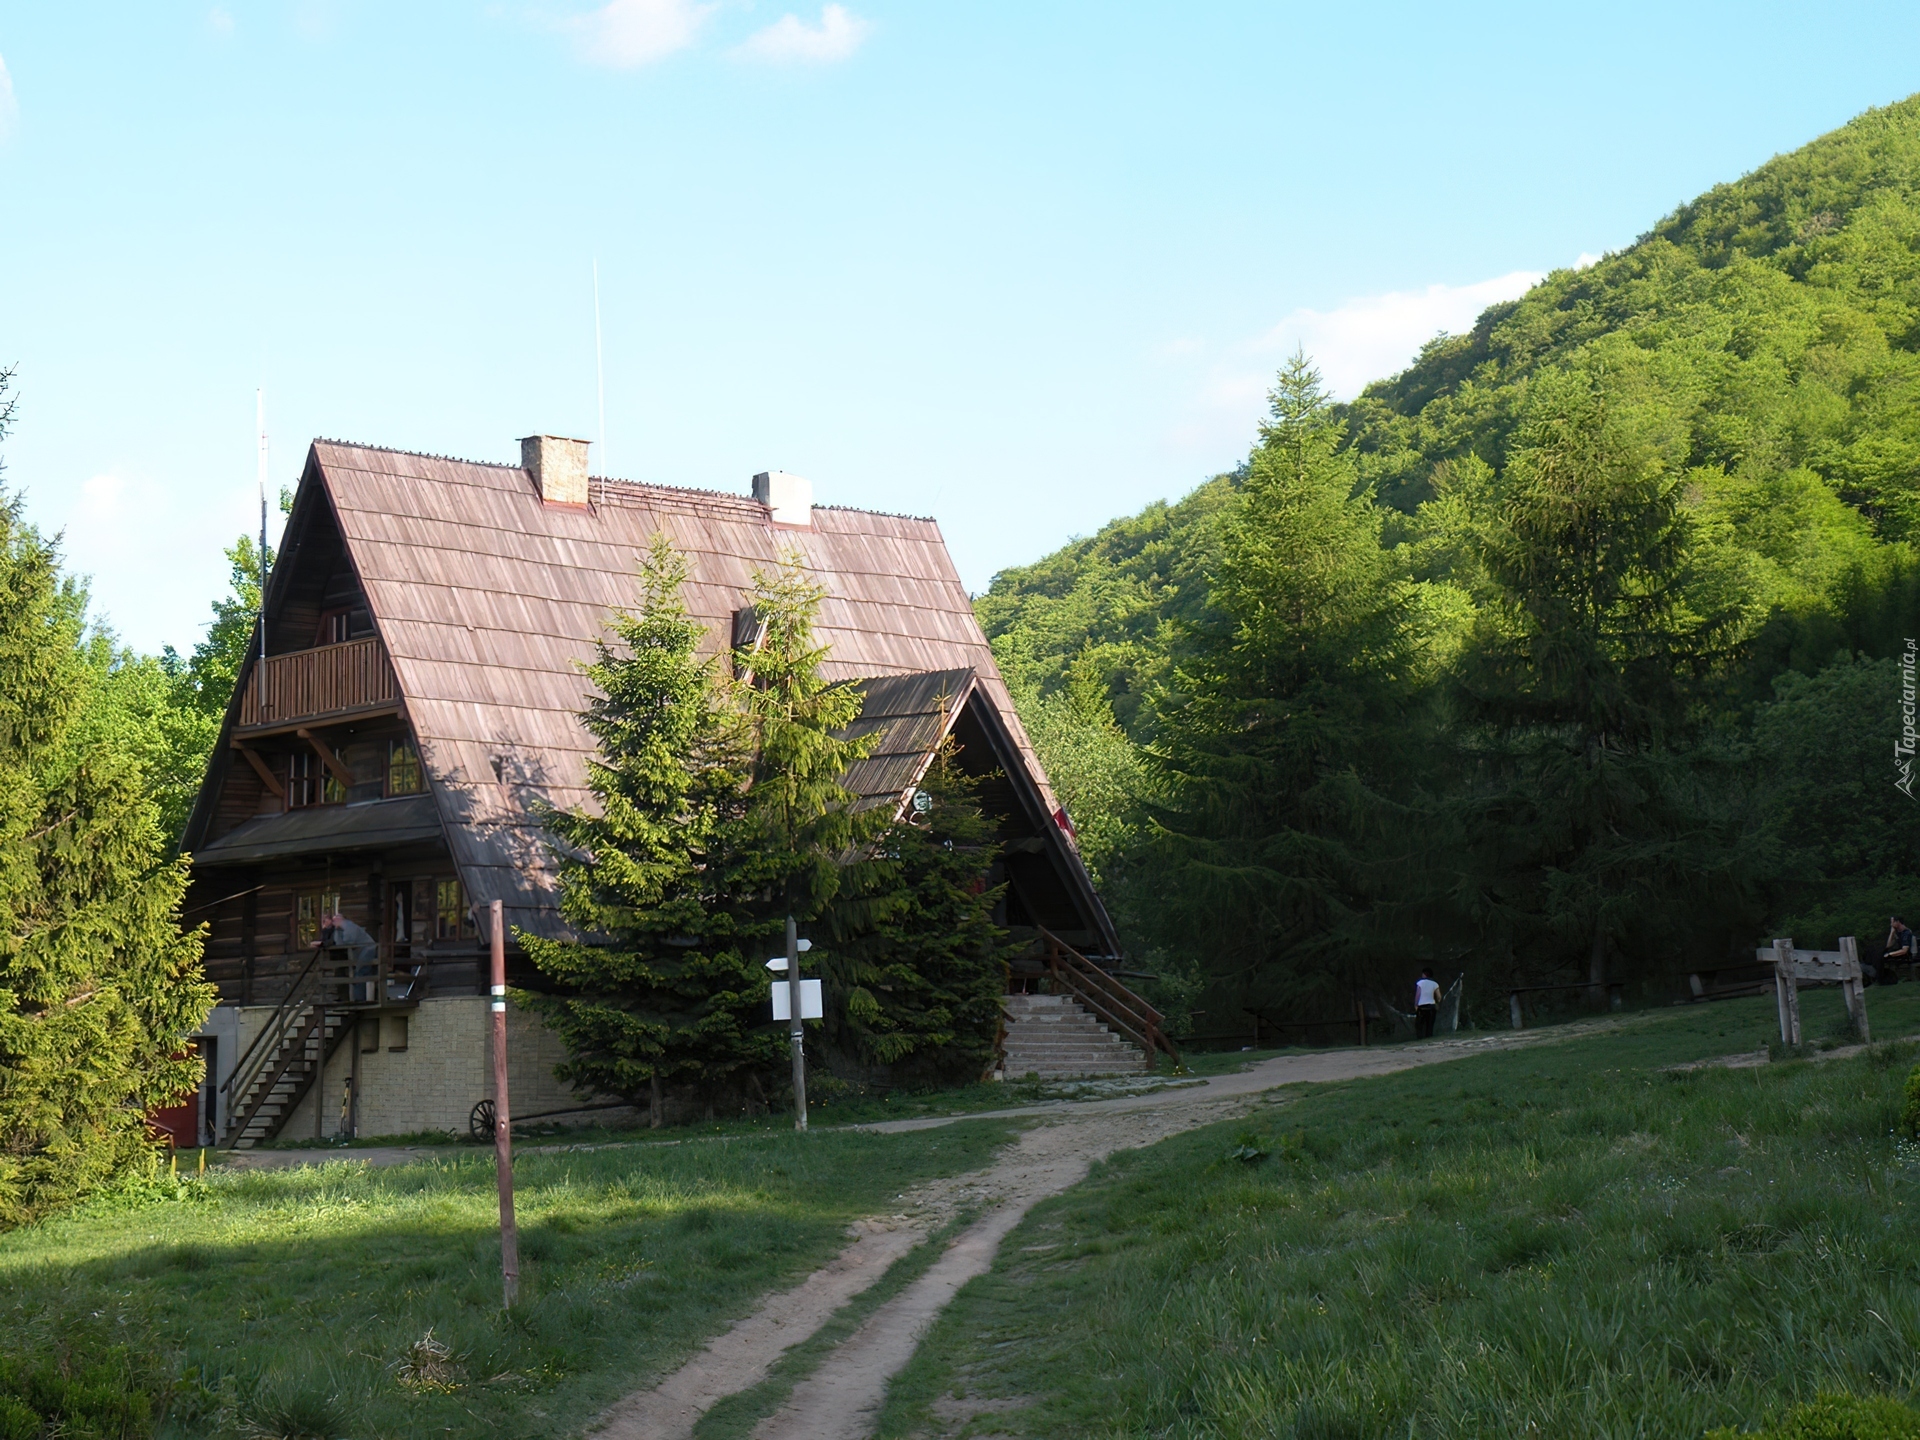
(480,1123)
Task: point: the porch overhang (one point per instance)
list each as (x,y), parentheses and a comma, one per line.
(326,829)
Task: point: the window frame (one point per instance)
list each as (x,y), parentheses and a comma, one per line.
(463,927)
(395,748)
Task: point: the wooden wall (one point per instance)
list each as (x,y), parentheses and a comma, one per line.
(253,956)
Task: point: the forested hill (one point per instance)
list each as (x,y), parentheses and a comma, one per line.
(1755,361)
(1776,321)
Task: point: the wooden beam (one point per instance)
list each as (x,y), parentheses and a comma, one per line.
(260,768)
(328,758)
(324,722)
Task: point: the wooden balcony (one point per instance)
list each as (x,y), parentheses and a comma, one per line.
(330,680)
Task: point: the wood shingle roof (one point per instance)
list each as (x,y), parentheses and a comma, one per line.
(489,600)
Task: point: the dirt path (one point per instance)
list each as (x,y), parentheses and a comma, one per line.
(840,1400)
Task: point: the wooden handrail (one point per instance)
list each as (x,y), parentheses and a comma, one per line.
(305,684)
(1107,998)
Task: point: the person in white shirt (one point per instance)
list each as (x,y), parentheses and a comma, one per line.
(1426,1005)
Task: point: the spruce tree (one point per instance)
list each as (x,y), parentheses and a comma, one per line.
(802,827)
(98,984)
(916,967)
(1588,814)
(1280,719)
(657,988)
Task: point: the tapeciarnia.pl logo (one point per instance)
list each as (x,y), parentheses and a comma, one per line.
(1903,748)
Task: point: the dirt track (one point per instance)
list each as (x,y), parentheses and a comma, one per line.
(840,1399)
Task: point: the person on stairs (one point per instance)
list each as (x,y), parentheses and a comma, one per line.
(1426,1005)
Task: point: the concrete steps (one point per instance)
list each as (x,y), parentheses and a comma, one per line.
(1054,1037)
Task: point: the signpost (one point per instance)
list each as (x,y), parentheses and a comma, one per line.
(502,1128)
(803,1003)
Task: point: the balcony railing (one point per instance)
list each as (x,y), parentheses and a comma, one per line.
(310,684)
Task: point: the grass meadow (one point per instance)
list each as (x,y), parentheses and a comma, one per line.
(295,1303)
(1567,1240)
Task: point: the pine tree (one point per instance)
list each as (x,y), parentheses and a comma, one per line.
(916,968)
(1280,717)
(658,989)
(98,984)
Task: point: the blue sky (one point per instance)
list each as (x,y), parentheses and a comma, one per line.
(1023,267)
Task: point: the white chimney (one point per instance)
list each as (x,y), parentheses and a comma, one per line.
(558,466)
(788,496)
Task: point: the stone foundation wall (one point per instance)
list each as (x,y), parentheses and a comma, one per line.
(426,1068)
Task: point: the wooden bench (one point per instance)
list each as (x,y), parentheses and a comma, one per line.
(1793,968)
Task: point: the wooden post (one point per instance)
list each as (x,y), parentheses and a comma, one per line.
(1853,987)
(502,1124)
(796,1035)
(1786,992)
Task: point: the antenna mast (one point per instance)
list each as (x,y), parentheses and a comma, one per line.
(260,424)
(600,370)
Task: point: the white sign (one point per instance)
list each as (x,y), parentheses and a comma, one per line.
(810,1002)
(778,964)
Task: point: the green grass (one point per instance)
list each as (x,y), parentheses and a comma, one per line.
(843,1105)
(1564,1240)
(285,1303)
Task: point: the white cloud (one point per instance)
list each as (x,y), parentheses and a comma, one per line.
(9,107)
(1356,342)
(1375,336)
(790,39)
(628,33)
(220,21)
(1587,261)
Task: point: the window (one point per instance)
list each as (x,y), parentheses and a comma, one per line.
(309,915)
(339,626)
(396,1032)
(403,768)
(307,779)
(450,918)
(300,786)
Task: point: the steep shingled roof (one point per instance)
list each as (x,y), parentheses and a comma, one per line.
(489,601)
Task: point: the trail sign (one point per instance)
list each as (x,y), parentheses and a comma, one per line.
(778,964)
(810,1002)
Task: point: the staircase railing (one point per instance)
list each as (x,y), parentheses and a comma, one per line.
(289,1015)
(1117,1006)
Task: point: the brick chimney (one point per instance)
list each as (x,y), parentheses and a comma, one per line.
(788,497)
(558,467)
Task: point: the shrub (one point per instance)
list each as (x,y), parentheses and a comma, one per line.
(1841,1417)
(1910,1107)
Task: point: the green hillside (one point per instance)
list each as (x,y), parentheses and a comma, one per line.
(1756,354)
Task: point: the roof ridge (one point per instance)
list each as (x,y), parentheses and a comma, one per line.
(613,479)
(416,454)
(676,489)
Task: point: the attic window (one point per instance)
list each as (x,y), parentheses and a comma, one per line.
(348,622)
(749,633)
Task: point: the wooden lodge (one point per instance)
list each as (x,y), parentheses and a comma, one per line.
(418,704)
